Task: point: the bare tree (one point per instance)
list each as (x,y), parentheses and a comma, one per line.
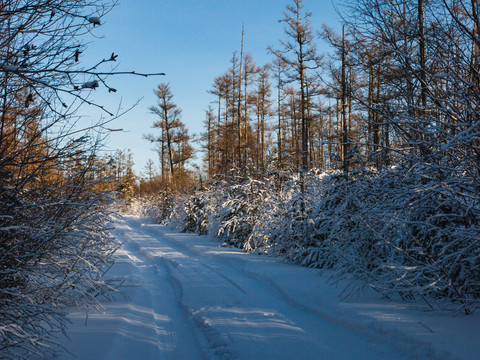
(54,241)
(263,110)
(299,55)
(174,139)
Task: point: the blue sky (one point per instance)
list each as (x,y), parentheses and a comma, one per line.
(192,41)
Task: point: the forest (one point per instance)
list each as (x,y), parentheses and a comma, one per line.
(364,162)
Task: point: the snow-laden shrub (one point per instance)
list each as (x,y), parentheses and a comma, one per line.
(196,212)
(228,211)
(239,211)
(156,208)
(266,232)
(353,228)
(55,245)
(285,222)
(190,212)
(402,231)
(439,236)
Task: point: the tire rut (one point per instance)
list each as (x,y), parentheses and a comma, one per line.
(234,273)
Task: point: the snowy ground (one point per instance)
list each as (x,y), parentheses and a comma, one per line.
(190,298)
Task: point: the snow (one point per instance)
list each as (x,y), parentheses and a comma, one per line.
(90,85)
(190,298)
(10,68)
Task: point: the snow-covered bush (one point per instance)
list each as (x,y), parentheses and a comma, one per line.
(156,208)
(222,209)
(55,242)
(190,213)
(240,209)
(400,231)
(229,211)
(285,222)
(55,245)
(353,227)
(439,228)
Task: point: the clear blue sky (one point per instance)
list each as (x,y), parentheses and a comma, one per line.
(192,41)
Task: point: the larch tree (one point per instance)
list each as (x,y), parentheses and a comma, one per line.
(208,138)
(278,69)
(248,75)
(173,143)
(263,103)
(299,54)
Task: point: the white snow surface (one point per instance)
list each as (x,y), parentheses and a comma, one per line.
(190,298)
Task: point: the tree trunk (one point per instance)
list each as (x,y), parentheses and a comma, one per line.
(345,144)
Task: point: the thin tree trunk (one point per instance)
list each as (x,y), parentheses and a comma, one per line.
(169,144)
(345,145)
(239,115)
(279,114)
(423,73)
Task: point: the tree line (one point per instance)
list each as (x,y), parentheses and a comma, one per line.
(400,85)
(365,162)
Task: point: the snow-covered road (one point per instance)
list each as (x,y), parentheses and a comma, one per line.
(190,298)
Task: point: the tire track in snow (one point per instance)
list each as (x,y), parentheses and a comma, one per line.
(189,265)
(201,312)
(411,347)
(175,338)
(214,343)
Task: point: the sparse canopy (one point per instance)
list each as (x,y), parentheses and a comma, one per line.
(299,54)
(173,143)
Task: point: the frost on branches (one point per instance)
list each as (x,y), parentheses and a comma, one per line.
(55,241)
(399,231)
